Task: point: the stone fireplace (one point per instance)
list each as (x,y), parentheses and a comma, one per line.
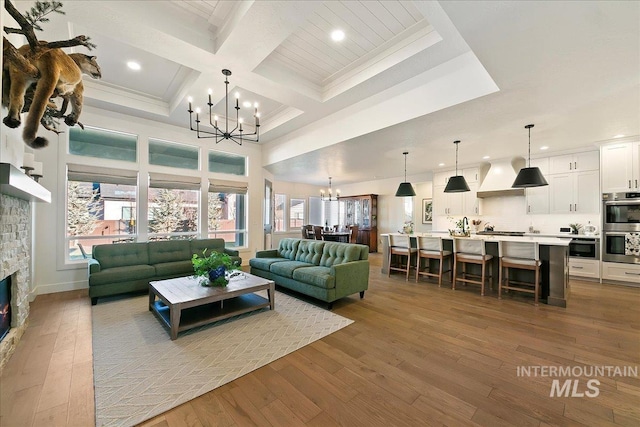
(15,262)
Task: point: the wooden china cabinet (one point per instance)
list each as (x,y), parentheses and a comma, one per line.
(362,211)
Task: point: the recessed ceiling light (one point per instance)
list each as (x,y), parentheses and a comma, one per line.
(133,65)
(246,104)
(337,35)
(544,147)
(619,136)
(486,157)
(440,164)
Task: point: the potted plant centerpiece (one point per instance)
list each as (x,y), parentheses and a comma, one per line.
(212,268)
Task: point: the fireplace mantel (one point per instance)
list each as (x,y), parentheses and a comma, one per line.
(14,182)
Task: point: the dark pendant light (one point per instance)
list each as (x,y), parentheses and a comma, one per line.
(456,184)
(529,177)
(405,189)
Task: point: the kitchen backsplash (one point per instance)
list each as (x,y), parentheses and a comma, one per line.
(508,214)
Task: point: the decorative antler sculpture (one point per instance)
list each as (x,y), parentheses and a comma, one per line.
(38,72)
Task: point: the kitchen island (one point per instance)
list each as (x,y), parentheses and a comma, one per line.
(553,254)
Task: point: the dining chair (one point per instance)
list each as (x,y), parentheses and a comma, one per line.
(519,256)
(431,247)
(317,230)
(471,251)
(400,245)
(353,234)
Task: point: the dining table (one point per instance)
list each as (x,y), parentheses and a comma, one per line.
(336,236)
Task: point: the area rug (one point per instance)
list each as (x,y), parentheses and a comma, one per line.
(139,372)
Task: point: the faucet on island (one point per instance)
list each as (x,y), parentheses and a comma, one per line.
(465,225)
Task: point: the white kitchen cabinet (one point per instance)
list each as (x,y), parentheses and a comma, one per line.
(574,192)
(471,174)
(587,161)
(621,272)
(470,201)
(441,178)
(446,203)
(466,203)
(538,197)
(589,268)
(621,167)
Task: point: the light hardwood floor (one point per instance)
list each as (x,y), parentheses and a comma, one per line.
(416,355)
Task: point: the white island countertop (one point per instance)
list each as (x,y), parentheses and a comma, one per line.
(541,239)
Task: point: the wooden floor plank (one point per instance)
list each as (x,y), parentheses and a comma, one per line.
(415,353)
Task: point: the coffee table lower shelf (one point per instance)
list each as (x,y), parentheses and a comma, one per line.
(209,313)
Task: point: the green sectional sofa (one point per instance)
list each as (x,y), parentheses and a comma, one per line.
(326,271)
(128,267)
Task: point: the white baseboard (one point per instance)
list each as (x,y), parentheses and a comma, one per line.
(57,287)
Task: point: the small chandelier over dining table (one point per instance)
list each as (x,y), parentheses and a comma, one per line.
(330,198)
(236,134)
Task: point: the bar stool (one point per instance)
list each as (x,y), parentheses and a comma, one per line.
(521,256)
(400,245)
(430,247)
(470,251)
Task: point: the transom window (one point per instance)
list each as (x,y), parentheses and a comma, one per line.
(104,144)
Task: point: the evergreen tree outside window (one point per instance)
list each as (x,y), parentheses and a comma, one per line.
(98,199)
(173,213)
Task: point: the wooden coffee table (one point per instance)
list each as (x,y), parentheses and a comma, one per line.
(183,303)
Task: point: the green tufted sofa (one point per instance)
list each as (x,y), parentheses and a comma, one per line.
(128,267)
(326,271)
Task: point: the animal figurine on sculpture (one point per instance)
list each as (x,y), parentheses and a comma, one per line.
(59,73)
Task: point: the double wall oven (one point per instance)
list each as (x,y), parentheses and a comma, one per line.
(621,227)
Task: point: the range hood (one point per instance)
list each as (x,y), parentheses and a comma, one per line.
(498,180)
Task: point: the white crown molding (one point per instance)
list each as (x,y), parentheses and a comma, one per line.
(119,96)
(413,40)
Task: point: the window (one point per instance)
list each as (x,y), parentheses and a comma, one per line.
(173,206)
(280,213)
(316,213)
(105,144)
(101,208)
(296,213)
(408,209)
(331,213)
(227,213)
(163,153)
(227,163)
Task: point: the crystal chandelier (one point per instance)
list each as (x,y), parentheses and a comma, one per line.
(236,134)
(324,198)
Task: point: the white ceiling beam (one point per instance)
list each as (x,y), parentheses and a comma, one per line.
(262,28)
(458,80)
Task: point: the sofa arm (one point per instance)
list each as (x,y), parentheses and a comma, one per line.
(93,265)
(231,252)
(269,253)
(351,277)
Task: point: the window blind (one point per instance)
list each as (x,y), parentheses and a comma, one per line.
(178,182)
(221,186)
(86,173)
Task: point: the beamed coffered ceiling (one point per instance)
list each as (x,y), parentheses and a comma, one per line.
(408,76)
